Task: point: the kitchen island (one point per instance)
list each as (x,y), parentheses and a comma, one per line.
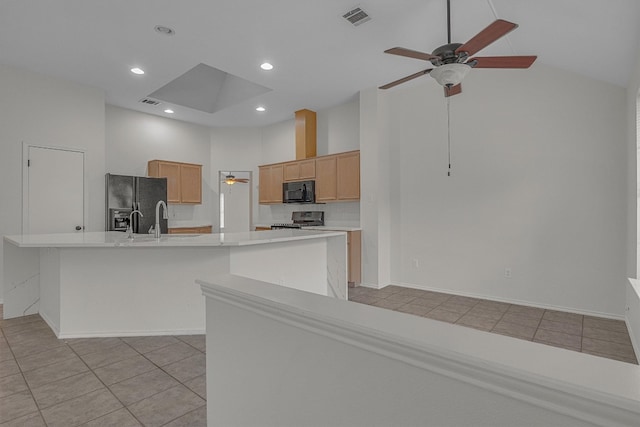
(104,284)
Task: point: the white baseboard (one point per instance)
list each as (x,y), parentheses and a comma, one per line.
(131,334)
(632,314)
(513,301)
(52,325)
(370,285)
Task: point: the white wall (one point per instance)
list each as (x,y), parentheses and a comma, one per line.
(633,178)
(134,138)
(339,128)
(538,186)
(46,111)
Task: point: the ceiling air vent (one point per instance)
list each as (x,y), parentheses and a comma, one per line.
(150,101)
(357,16)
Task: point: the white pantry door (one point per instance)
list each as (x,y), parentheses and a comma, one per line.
(54,190)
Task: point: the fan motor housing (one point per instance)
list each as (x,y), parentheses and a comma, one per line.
(446,54)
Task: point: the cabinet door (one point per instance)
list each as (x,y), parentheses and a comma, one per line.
(172,172)
(270,187)
(326,189)
(291,171)
(348,175)
(263,187)
(307,169)
(191,230)
(190,183)
(275,186)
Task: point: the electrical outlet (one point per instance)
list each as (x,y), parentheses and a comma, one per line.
(415,263)
(507,273)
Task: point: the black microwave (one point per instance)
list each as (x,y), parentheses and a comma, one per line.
(299,192)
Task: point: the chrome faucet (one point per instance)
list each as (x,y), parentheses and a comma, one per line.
(130,227)
(156,232)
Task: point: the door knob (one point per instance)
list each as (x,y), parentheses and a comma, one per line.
(78,227)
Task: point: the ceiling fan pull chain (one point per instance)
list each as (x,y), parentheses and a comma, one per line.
(449,134)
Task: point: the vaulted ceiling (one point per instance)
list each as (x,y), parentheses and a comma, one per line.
(320,59)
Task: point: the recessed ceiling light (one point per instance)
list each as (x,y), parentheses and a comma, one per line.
(168,111)
(266,66)
(137,70)
(164,30)
(261,109)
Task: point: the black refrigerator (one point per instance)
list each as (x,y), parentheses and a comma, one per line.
(124,194)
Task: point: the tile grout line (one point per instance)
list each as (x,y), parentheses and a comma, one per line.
(103,383)
(372,294)
(15,360)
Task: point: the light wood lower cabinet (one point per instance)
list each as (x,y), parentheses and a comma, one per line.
(354,259)
(191,230)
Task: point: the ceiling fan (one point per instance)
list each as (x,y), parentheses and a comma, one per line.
(452,61)
(230,180)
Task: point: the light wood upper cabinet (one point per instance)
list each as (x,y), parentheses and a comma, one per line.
(338,177)
(326,179)
(270,187)
(190,183)
(300,170)
(184,180)
(348,176)
(171,171)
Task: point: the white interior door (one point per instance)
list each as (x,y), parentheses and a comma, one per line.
(54,191)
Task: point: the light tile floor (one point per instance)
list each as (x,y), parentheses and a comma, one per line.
(160,381)
(587,334)
(99,382)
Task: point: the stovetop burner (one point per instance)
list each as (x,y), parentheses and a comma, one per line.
(275,226)
(301,219)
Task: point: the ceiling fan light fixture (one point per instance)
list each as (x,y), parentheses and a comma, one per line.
(450,74)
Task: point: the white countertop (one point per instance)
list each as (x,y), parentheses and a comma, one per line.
(119,239)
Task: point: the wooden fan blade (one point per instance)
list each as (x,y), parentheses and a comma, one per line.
(406,79)
(453,90)
(484,38)
(411,53)
(504,61)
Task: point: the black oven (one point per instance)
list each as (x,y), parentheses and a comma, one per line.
(299,192)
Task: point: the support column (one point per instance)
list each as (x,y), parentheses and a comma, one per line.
(375,176)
